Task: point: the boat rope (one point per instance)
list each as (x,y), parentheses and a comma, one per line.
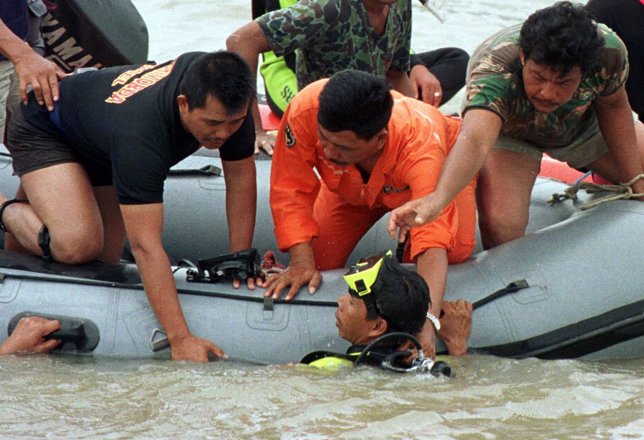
(616,192)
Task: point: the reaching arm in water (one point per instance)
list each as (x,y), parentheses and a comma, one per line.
(29,336)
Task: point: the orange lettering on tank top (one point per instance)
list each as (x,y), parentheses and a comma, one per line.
(137,84)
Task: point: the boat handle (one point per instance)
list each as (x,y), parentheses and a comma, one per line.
(159,340)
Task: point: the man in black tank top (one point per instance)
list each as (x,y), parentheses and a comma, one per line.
(626,18)
(93,170)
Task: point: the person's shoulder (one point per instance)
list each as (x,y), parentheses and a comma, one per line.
(611,39)
(328,360)
(502,38)
(412,122)
(500,48)
(497,58)
(403,5)
(315,88)
(178,63)
(308,98)
(406,109)
(178,66)
(613,60)
(188,57)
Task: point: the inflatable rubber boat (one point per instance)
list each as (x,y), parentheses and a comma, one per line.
(572,287)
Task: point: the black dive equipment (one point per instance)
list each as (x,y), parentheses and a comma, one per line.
(237,265)
(394,361)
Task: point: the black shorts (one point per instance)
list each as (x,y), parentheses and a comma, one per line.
(37,143)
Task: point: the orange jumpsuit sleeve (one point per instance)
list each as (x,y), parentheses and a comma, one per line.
(294,183)
(422,171)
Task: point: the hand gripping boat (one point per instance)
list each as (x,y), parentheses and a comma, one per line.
(572,287)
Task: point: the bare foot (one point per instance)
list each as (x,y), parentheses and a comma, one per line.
(456,325)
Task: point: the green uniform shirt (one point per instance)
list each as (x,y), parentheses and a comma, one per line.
(331,35)
(494,82)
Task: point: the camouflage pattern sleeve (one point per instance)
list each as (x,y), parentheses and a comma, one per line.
(298,25)
(614,62)
(402,47)
(332,35)
(494,74)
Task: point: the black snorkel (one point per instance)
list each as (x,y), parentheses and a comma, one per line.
(394,361)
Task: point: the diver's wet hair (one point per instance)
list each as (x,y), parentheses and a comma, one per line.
(356,101)
(402,297)
(562,36)
(223,75)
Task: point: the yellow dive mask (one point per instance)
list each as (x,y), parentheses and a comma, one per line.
(362,279)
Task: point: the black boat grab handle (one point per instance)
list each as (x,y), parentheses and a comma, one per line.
(513,287)
(76,335)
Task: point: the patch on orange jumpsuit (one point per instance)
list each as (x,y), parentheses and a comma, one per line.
(288,134)
(388,189)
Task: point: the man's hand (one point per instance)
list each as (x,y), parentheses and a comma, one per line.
(296,275)
(264,141)
(192,348)
(456,325)
(638,188)
(29,336)
(41,74)
(413,213)
(251,283)
(426,85)
(427,339)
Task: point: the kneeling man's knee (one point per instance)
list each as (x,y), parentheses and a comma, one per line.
(73,249)
(498,227)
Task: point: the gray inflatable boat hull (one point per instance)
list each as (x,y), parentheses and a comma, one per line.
(583,268)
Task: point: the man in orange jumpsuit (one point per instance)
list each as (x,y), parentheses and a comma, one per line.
(373,150)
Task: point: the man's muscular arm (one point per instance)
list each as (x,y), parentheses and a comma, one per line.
(144,225)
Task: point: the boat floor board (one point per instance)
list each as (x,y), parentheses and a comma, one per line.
(116,275)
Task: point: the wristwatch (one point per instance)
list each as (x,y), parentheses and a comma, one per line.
(434,320)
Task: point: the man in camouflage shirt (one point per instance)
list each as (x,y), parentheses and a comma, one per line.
(329,36)
(332,35)
(554,84)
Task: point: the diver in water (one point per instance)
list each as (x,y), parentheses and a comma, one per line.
(385,306)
